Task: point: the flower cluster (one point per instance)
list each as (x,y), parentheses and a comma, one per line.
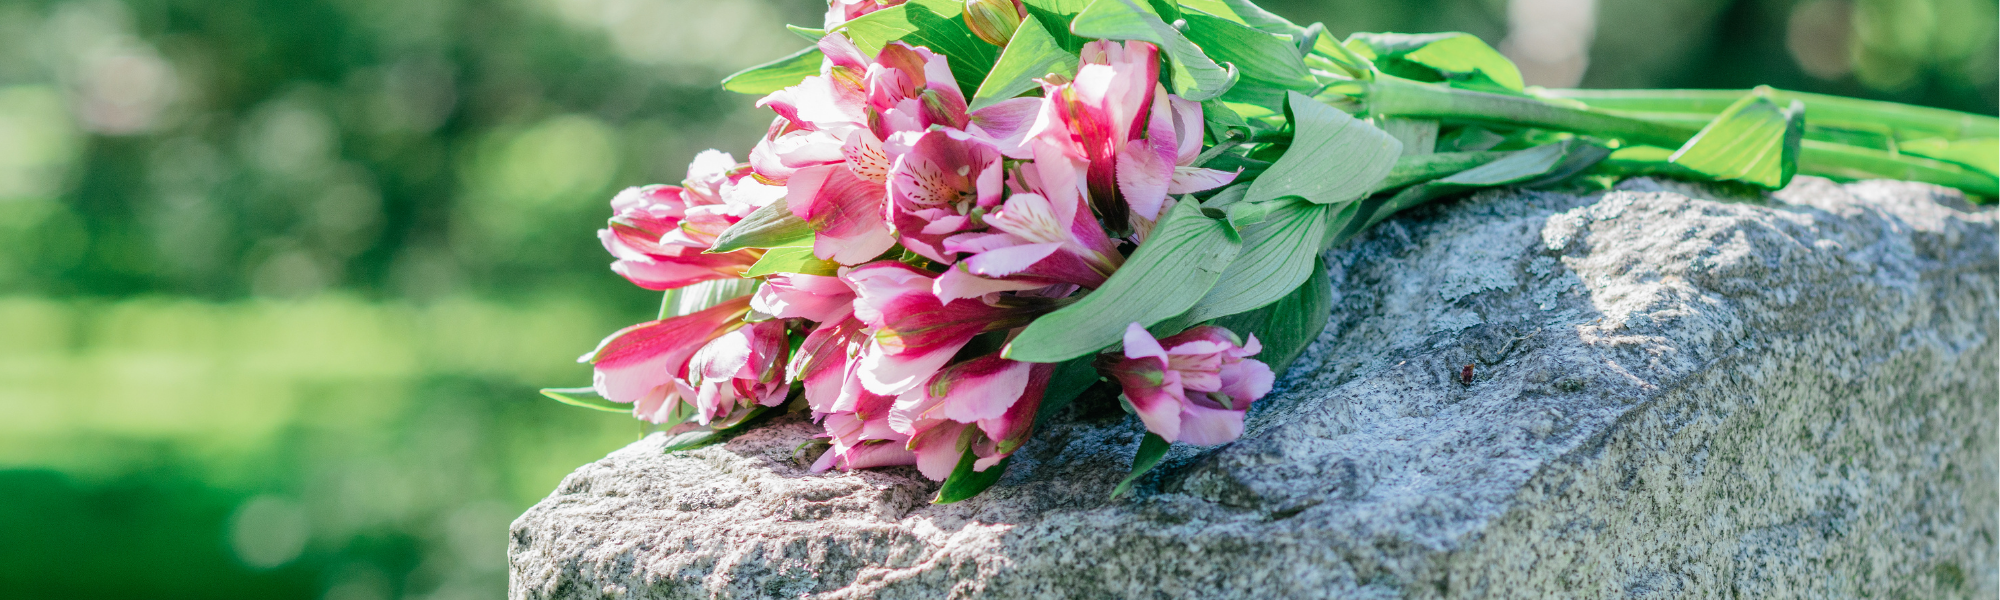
(945,231)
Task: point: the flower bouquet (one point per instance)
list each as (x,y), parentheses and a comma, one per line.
(967,214)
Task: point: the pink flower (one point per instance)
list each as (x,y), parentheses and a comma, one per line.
(867,454)
(642,363)
(659,233)
(815,298)
(719,192)
(912,333)
(845,212)
(1151,169)
(1104,108)
(1192,387)
(740,368)
(828,145)
(862,437)
(939,187)
(825,364)
(842,11)
(855,419)
(1042,235)
(986,405)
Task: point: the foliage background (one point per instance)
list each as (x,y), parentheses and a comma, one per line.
(278,278)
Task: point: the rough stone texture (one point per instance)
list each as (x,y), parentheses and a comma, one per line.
(1775,397)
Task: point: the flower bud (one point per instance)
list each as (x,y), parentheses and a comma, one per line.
(994,20)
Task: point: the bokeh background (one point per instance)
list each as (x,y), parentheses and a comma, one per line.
(279,278)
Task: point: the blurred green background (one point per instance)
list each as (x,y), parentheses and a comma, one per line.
(279,278)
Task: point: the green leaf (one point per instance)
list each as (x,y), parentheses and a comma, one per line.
(1277,256)
(935,24)
(772,226)
(1219,121)
(1288,326)
(696,438)
(811,35)
(776,75)
(1195,76)
(1418,136)
(587,398)
(1753,141)
(1244,216)
(1632,161)
(689,440)
(1055,16)
(1258,55)
(1471,138)
(1460,59)
(792,259)
(1032,53)
(1331,55)
(1227,197)
(965,483)
(1333,157)
(1247,13)
(1071,378)
(1169,273)
(1540,165)
(1151,450)
(1425,167)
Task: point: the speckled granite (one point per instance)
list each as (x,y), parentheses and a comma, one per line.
(1786,397)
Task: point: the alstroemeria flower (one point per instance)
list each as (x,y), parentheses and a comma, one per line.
(867,454)
(659,233)
(912,332)
(738,369)
(986,405)
(1104,108)
(862,437)
(816,298)
(642,363)
(825,363)
(1192,387)
(719,192)
(1034,239)
(1162,164)
(842,11)
(845,211)
(828,146)
(939,187)
(855,419)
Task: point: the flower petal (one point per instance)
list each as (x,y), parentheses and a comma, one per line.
(1146,167)
(957,283)
(1008,124)
(1188,180)
(815,298)
(1139,343)
(844,209)
(937,449)
(1204,426)
(1002,262)
(981,388)
(636,360)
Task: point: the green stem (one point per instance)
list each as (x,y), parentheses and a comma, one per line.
(1848,162)
(1912,122)
(1642,160)
(1389,96)
(1425,167)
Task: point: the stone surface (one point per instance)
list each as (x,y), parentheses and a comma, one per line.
(1791,396)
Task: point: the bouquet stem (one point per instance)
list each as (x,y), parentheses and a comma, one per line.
(1846,138)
